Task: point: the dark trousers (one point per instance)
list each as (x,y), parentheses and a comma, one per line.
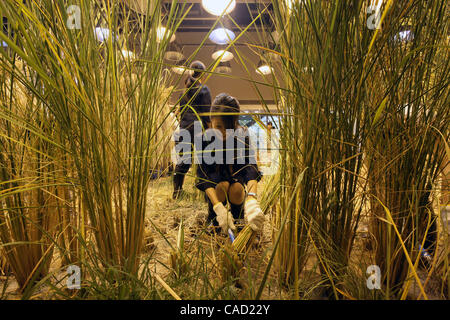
(183,166)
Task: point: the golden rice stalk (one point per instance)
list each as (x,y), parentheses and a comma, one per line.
(177,263)
(177,260)
(4,267)
(149,241)
(231,257)
(244,239)
(230,263)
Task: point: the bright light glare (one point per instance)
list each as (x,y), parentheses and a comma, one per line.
(222,36)
(406,35)
(127,54)
(291,3)
(264,70)
(101,34)
(226,55)
(181,68)
(163,32)
(178,70)
(219,7)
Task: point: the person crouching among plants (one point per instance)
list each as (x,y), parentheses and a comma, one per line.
(227,170)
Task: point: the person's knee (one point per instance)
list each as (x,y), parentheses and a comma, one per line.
(221,190)
(236,193)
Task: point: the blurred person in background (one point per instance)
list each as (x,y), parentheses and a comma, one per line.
(195,105)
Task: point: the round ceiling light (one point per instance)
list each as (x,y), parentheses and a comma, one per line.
(174,52)
(224,68)
(222,36)
(180,67)
(290,4)
(102,34)
(221,53)
(219,7)
(162,33)
(128,54)
(404,36)
(264,68)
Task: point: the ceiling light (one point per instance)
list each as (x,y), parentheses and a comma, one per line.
(127,54)
(264,68)
(291,4)
(273,53)
(222,36)
(162,34)
(102,34)
(405,35)
(180,67)
(174,52)
(224,68)
(219,7)
(221,53)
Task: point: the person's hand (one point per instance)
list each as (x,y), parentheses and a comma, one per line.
(224,218)
(254,215)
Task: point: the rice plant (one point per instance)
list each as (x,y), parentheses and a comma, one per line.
(407,152)
(30,177)
(323,51)
(330,59)
(105,106)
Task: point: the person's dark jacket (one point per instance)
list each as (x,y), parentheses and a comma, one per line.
(243,166)
(195,100)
